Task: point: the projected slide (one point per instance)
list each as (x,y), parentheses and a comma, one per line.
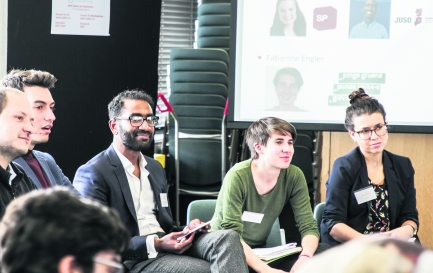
(299,60)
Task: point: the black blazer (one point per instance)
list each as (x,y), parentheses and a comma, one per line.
(20,185)
(349,174)
(103,178)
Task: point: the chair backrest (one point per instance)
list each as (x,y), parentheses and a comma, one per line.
(202,54)
(199,83)
(200,162)
(214,8)
(197,138)
(305,140)
(205,208)
(200,209)
(214,20)
(318,213)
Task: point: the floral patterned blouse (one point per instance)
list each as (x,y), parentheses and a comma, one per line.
(378,214)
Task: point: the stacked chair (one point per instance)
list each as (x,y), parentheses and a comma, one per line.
(199,83)
(197,134)
(214,20)
(199,88)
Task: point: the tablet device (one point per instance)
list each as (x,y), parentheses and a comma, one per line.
(193,230)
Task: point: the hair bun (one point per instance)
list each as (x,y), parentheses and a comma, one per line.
(358,94)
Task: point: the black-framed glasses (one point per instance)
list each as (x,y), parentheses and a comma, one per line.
(380,129)
(115,266)
(137,120)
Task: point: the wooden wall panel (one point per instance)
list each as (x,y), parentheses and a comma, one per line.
(418,147)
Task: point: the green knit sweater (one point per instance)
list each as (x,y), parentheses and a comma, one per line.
(239,194)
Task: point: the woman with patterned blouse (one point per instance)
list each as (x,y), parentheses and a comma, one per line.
(369,190)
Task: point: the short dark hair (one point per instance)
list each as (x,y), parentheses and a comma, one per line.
(41,227)
(361,103)
(18,79)
(292,72)
(4,96)
(260,131)
(116,104)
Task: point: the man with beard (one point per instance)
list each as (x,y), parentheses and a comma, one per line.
(135,185)
(15,130)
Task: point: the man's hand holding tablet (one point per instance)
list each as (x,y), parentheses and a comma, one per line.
(191,231)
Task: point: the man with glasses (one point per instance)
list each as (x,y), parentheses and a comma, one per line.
(135,185)
(53,231)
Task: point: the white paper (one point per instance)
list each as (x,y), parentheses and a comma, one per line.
(271,253)
(365,195)
(272,250)
(80,17)
(253,217)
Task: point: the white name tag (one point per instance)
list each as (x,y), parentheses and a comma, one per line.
(365,195)
(253,217)
(164,200)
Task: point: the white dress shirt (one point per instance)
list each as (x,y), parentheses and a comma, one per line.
(144,201)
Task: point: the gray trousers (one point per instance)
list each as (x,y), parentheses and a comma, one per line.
(217,252)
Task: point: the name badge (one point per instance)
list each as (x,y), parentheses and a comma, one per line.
(253,217)
(164,200)
(365,195)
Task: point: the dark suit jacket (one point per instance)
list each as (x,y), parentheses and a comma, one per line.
(103,178)
(20,185)
(349,174)
(49,166)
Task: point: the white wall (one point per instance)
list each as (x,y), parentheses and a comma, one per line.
(3,36)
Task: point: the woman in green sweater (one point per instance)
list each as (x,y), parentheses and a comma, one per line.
(255,191)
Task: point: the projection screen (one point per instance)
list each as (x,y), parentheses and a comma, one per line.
(300,61)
